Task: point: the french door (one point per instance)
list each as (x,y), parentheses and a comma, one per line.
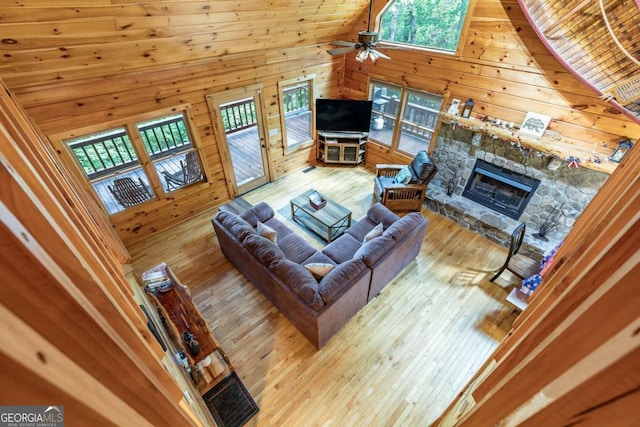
(239,130)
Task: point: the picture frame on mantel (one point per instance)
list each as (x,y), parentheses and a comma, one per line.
(534,124)
(621,151)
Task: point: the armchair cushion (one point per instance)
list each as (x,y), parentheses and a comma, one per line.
(404,176)
(423,167)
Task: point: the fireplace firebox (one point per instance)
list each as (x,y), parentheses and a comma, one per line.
(500,189)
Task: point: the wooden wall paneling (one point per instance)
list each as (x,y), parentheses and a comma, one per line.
(36,148)
(165,89)
(74,317)
(79,280)
(609,396)
(36,372)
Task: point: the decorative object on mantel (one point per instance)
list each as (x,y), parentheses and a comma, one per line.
(540,147)
(550,223)
(535,124)
(621,151)
(573,162)
(454,108)
(468,106)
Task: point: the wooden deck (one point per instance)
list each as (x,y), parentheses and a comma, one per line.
(400,361)
(245,154)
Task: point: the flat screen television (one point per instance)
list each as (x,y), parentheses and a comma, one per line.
(343,115)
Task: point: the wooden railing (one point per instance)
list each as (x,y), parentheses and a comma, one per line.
(418,120)
(296,99)
(239,115)
(165,137)
(105,155)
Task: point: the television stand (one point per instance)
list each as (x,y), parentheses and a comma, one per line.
(341,147)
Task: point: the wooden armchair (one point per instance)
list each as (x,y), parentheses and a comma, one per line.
(399,196)
(188,174)
(130,193)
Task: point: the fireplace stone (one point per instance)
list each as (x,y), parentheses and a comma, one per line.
(559,186)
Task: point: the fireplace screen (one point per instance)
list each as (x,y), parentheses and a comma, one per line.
(500,189)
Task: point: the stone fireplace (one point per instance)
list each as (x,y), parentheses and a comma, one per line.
(522,186)
(499,188)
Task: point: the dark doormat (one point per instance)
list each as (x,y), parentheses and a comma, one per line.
(230,403)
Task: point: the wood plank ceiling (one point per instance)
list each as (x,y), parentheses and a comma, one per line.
(106,37)
(598,40)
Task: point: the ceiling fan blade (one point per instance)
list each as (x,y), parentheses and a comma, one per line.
(377,54)
(341,50)
(342,43)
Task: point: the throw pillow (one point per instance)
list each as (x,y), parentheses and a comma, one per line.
(319,269)
(265,231)
(375,232)
(404,176)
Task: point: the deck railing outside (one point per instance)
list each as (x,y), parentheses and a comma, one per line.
(106,154)
(165,137)
(239,115)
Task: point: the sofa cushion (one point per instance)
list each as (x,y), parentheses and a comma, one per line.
(341,276)
(263,249)
(379,213)
(375,232)
(300,280)
(267,232)
(342,249)
(423,167)
(281,229)
(261,212)
(318,257)
(295,248)
(403,226)
(361,228)
(319,269)
(238,227)
(374,249)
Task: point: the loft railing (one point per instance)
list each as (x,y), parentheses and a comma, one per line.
(238,115)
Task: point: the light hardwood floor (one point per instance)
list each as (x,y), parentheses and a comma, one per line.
(399,361)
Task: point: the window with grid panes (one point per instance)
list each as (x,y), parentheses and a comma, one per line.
(296,107)
(111,161)
(403,119)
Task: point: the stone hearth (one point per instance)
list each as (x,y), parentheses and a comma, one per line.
(455,154)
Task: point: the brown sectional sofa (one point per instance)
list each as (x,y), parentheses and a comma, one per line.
(319,307)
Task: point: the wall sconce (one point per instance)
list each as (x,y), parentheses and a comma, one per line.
(621,151)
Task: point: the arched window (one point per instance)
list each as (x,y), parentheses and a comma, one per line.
(431,24)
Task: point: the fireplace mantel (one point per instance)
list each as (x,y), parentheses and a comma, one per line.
(558,148)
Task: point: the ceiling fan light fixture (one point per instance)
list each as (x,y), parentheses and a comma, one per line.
(363,55)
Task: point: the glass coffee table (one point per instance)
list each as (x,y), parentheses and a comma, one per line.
(328,222)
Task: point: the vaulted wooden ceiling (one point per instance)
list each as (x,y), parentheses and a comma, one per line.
(598,40)
(55,40)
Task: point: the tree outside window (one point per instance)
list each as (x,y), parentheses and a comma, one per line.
(296,109)
(432,24)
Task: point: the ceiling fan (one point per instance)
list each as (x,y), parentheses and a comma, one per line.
(367,40)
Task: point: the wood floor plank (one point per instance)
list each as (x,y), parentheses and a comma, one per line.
(399,361)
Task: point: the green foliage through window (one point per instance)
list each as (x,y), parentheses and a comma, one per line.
(433,24)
